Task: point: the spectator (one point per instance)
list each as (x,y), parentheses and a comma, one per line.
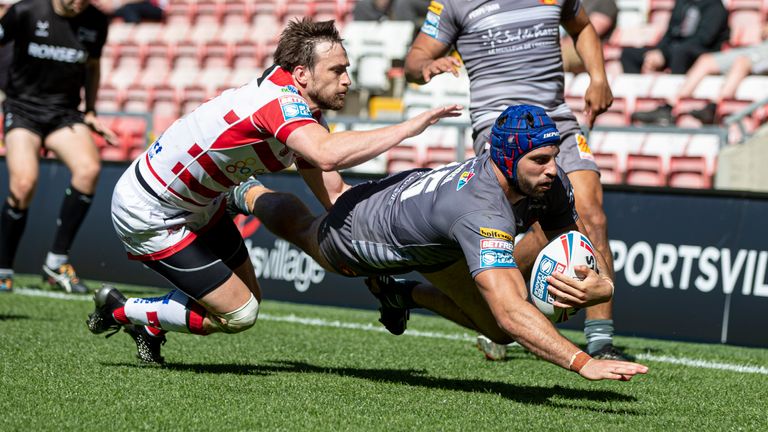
(133,11)
(695,27)
(735,63)
(602,14)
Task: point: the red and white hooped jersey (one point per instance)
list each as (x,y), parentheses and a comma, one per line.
(226,140)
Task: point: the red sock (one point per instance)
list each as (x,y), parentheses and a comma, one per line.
(119,315)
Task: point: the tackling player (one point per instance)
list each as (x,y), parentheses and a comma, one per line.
(168,208)
(456,226)
(57,46)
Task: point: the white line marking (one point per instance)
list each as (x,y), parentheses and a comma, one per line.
(319,322)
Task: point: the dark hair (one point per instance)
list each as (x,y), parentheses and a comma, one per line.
(299,40)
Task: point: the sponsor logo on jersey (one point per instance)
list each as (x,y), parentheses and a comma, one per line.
(465,177)
(584,151)
(497,244)
(436,7)
(154,149)
(431,24)
(497,259)
(482,10)
(495,233)
(548,2)
(289,89)
(57,53)
(41,28)
(245,167)
(294,107)
(87,35)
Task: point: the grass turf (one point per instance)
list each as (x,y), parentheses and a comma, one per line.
(290,376)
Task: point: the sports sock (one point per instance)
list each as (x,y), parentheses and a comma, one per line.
(73,210)
(12,223)
(599,333)
(54,261)
(174,311)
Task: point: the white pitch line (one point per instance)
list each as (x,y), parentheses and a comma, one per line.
(319,322)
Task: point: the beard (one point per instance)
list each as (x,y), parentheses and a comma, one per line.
(330,101)
(529,189)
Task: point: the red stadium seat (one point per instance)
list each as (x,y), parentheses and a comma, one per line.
(645,170)
(689,172)
(610,170)
(746,25)
(403,157)
(110,98)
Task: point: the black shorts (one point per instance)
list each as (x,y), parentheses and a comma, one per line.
(207,262)
(40,120)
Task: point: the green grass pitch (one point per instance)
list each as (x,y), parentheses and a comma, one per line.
(309,368)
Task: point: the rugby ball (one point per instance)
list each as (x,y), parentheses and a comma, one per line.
(559,256)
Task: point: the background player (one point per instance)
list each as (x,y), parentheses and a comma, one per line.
(56,54)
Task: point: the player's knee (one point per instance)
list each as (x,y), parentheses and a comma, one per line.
(86,174)
(22,189)
(240,319)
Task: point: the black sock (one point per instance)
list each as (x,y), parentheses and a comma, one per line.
(12,223)
(71,216)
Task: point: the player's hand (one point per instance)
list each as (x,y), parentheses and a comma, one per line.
(570,292)
(596,370)
(417,124)
(597,99)
(653,61)
(443,64)
(93,122)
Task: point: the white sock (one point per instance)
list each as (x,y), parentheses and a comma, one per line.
(6,272)
(54,261)
(174,311)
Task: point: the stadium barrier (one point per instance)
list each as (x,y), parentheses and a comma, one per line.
(690,264)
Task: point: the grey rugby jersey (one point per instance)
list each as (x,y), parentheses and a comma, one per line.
(511,50)
(426,220)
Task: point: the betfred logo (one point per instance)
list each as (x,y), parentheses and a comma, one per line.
(496,244)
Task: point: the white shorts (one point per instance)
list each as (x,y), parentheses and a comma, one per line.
(151,229)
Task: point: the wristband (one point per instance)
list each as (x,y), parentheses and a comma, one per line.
(579,359)
(607,279)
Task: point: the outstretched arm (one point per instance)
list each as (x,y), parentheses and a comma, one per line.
(338,150)
(504,291)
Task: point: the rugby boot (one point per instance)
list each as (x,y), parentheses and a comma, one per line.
(106,299)
(394,295)
(236,197)
(610,352)
(147,345)
(64,278)
(491,349)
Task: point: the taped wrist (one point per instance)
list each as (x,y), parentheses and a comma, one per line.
(579,359)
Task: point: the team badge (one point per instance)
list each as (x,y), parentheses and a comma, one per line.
(466,176)
(294,107)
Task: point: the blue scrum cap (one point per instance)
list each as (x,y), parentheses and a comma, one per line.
(517,131)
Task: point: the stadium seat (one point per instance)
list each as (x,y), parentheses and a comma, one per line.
(706,146)
(665,145)
(138,98)
(621,144)
(610,172)
(113,153)
(615,115)
(666,86)
(147,32)
(110,98)
(689,172)
(645,170)
(753,88)
(439,156)
(265,27)
(403,157)
(686,105)
(191,97)
(120,32)
(631,86)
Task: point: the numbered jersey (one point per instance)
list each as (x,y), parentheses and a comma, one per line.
(226,140)
(426,220)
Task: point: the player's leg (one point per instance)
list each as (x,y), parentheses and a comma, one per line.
(75,148)
(22,152)
(216,291)
(576,160)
